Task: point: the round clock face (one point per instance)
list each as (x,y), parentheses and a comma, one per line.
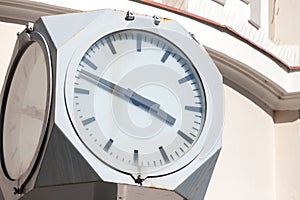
(138,104)
(25,112)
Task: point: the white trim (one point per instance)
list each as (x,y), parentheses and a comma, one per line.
(255,13)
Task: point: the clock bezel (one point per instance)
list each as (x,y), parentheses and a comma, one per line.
(165,40)
(25,40)
(183,41)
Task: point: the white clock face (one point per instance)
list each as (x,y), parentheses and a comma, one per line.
(138,104)
(25,112)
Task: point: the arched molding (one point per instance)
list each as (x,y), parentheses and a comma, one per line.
(256,86)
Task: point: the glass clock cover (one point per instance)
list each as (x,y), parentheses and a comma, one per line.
(25,111)
(138,104)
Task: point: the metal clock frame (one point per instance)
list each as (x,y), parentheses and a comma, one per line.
(180,38)
(65,38)
(25,39)
(87,42)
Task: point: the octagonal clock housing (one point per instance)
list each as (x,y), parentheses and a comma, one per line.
(135,100)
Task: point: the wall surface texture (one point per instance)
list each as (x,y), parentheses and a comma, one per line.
(245,169)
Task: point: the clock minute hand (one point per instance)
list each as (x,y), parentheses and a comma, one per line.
(134,97)
(107,85)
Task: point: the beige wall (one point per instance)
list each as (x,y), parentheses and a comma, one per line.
(8,36)
(285,29)
(284,21)
(287,140)
(245,169)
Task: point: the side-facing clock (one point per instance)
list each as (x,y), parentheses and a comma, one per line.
(25,104)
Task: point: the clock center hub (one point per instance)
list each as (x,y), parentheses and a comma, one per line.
(144,120)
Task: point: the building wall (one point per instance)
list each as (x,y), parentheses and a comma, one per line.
(8,33)
(245,169)
(287,161)
(284,23)
(284,20)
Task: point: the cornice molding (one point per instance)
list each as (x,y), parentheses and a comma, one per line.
(23,11)
(259,88)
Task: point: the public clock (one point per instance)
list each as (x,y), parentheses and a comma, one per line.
(138,102)
(25,106)
(115,97)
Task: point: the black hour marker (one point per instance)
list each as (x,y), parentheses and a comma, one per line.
(135,157)
(186,78)
(138,42)
(164,154)
(193,109)
(166,55)
(111,46)
(81,91)
(89,63)
(108,145)
(185,137)
(88,121)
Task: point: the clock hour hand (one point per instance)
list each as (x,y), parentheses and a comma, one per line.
(152,107)
(135,98)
